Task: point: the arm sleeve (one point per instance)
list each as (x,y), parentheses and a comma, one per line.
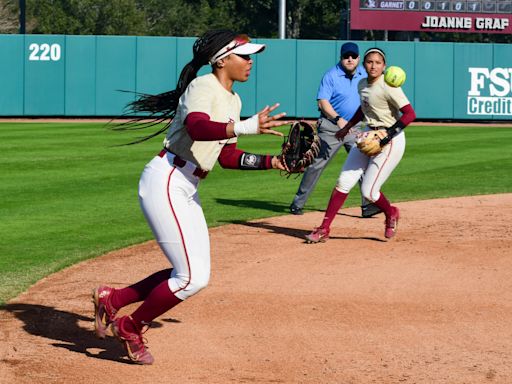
(233,158)
(201,128)
(408,115)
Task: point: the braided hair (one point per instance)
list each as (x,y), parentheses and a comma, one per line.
(163,106)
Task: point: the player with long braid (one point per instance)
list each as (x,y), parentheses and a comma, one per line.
(205,114)
(382,106)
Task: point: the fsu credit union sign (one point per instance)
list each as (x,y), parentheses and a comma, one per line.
(490,91)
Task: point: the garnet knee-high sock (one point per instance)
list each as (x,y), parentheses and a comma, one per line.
(159,301)
(140,290)
(335,203)
(384,204)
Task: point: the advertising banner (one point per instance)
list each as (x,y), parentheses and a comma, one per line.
(481,16)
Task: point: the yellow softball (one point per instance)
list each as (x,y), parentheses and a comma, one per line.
(394,76)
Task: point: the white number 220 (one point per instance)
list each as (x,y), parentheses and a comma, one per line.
(44,52)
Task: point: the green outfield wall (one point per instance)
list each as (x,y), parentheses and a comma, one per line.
(56,75)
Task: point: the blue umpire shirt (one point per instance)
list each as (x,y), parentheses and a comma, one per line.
(341,90)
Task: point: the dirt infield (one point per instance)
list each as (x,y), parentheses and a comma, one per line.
(432,305)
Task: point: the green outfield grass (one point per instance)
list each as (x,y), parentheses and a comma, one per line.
(68,193)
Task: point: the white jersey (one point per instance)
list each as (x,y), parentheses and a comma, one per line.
(381,103)
(204,94)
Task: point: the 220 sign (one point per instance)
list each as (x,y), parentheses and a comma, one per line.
(44,52)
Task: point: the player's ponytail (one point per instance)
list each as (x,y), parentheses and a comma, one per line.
(159,108)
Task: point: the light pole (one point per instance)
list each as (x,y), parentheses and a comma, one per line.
(345,22)
(282,19)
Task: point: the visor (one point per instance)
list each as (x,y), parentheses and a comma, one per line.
(375,50)
(240,45)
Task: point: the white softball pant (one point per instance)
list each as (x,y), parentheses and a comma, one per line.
(170,202)
(374,170)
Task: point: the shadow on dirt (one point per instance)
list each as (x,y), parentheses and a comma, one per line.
(300,233)
(257,204)
(293,232)
(64,329)
(273,207)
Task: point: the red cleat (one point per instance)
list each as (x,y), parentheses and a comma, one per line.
(318,235)
(392,223)
(104,313)
(134,343)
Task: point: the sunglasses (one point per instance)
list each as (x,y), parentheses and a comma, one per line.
(350,55)
(245,57)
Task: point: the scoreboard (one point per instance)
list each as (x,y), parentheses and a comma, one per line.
(481,16)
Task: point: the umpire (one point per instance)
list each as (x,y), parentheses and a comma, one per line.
(338,100)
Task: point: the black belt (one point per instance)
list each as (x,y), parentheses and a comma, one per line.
(180,163)
(376,128)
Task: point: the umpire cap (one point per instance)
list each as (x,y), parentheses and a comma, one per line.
(349,48)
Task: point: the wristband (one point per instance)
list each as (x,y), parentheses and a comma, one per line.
(334,120)
(250,161)
(249,126)
(392,131)
(395,129)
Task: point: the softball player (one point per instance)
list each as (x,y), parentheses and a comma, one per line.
(204,129)
(337,101)
(380,108)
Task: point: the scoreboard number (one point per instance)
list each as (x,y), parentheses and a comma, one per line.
(413,5)
(474,6)
(443,5)
(459,6)
(427,5)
